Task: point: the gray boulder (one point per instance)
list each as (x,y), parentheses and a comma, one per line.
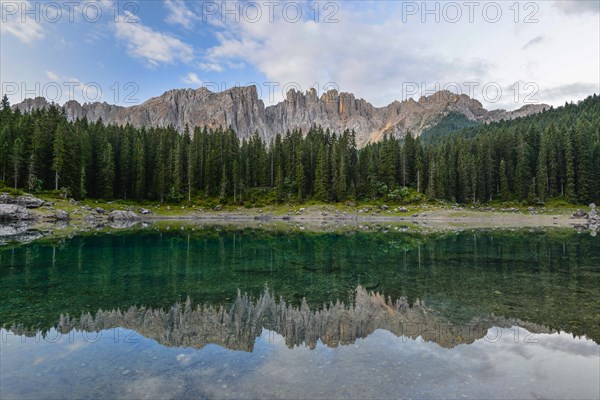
(579,214)
(61,215)
(593,215)
(18,232)
(118,215)
(26,201)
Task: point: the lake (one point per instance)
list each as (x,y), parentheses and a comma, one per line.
(226,312)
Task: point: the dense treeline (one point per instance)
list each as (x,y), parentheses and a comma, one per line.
(552,154)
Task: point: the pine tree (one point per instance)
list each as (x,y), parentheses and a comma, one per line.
(321,190)
(58,160)
(4,150)
(125,167)
(431,184)
(569,168)
(408,160)
(224,184)
(279,184)
(341,185)
(387,162)
(300,178)
(5,103)
(237,181)
(138,169)
(522,171)
(176,168)
(107,170)
(16,157)
(419,165)
(542,170)
(504,189)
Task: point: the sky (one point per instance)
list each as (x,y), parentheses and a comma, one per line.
(505,54)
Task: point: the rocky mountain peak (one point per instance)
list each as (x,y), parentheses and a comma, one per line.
(241,108)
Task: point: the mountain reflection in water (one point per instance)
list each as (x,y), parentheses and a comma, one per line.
(238,327)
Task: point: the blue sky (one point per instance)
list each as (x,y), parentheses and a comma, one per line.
(505,54)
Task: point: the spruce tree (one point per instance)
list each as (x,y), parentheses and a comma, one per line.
(138,170)
(58,153)
(107,170)
(16,157)
(504,189)
(321,190)
(299,173)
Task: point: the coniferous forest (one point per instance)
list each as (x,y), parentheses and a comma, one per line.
(555,154)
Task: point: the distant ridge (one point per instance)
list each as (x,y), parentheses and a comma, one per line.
(241,108)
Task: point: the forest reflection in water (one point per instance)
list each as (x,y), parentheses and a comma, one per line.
(546,278)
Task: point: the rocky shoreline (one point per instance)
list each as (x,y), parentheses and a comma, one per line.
(20,215)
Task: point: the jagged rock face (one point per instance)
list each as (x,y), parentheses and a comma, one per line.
(241,108)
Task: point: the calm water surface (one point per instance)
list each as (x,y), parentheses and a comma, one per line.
(247,313)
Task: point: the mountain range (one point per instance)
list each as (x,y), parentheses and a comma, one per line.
(243,110)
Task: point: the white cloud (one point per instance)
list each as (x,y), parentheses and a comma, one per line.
(371,59)
(72,88)
(153,46)
(180,14)
(578,6)
(52,76)
(533,42)
(371,53)
(27,30)
(571,91)
(192,79)
(210,67)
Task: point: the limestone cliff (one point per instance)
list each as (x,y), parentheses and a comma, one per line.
(241,108)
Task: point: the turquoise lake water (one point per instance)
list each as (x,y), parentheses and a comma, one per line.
(251,313)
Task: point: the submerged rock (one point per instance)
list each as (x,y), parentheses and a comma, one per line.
(12,229)
(123,224)
(18,232)
(118,215)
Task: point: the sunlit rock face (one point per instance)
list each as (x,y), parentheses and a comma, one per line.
(239,326)
(241,108)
